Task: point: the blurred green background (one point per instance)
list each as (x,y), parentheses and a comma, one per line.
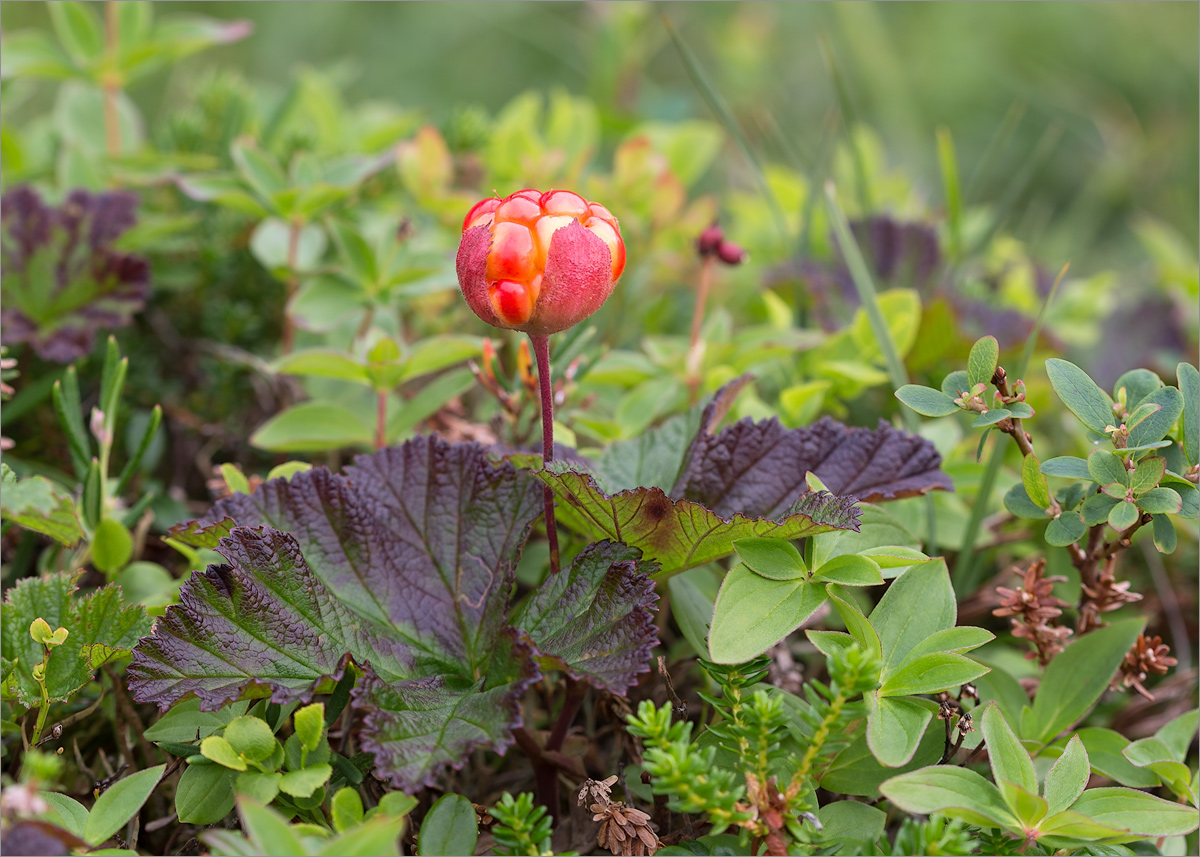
(1119,80)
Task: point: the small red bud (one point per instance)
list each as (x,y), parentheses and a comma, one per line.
(709,241)
(730,253)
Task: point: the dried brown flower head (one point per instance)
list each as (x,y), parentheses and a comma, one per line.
(1104,596)
(1034,611)
(596,791)
(1147,657)
(625,830)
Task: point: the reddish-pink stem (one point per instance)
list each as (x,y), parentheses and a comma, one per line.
(541,353)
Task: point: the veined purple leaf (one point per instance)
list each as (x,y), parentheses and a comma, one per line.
(63,281)
(681,534)
(581,617)
(758,468)
(403,565)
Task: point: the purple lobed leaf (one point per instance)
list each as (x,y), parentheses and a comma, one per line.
(404,565)
(594,620)
(63,279)
(758,468)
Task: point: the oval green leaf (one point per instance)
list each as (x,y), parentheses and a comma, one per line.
(926,400)
(120,803)
(1091,405)
(753,613)
(450,827)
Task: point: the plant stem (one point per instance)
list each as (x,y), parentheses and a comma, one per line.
(288,336)
(541,353)
(695,345)
(819,736)
(112,82)
(381,418)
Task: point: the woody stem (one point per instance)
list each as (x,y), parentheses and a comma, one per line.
(541,353)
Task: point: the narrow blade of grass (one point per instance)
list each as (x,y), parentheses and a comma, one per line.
(948,162)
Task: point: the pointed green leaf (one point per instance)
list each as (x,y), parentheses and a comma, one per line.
(952,640)
(927,401)
(830,643)
(857,624)
(849,570)
(1067,777)
(1179,734)
(268,830)
(952,791)
(36,504)
(931,673)
(205,794)
(1148,473)
(1029,809)
(1105,754)
(260,170)
(1009,759)
(119,804)
(895,728)
(776,559)
(918,603)
(1091,405)
(753,613)
(1136,811)
(981,362)
(1075,679)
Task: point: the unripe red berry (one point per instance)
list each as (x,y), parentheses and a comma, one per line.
(538,262)
(710,239)
(730,253)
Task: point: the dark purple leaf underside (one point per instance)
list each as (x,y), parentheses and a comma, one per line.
(758,469)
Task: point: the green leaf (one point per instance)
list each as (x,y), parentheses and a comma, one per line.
(35,504)
(1138,384)
(204,794)
(681,534)
(78,29)
(955,384)
(1179,733)
(449,828)
(1160,501)
(1095,509)
(112,546)
(952,791)
(1141,414)
(1105,754)
(1075,826)
(931,673)
(304,782)
(1123,516)
(345,809)
(849,820)
(857,624)
(100,627)
(268,830)
(753,613)
(435,353)
(273,246)
(260,170)
(1091,405)
(309,722)
(776,559)
(1075,679)
(322,363)
(250,737)
(1155,427)
(952,640)
(856,771)
(1136,811)
(1018,503)
(1020,410)
(692,607)
(260,785)
(1029,809)
(926,400)
(1187,492)
(71,814)
(217,749)
(850,570)
(895,728)
(185,722)
(1067,778)
(991,417)
(69,409)
(1189,386)
(1066,529)
(1105,468)
(1165,537)
(830,643)
(982,361)
(1035,483)
(1148,473)
(312,427)
(918,603)
(120,803)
